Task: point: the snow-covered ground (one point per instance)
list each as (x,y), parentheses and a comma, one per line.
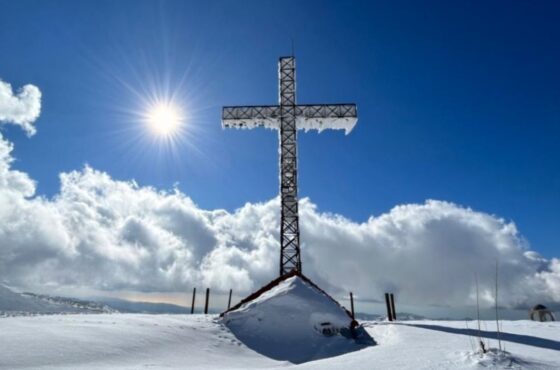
(136,341)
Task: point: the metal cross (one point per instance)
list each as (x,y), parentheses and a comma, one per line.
(287,118)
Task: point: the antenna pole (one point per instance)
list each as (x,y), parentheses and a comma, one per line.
(293,53)
(497,319)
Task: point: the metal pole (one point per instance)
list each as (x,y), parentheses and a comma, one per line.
(193,297)
(207,298)
(290,258)
(497,318)
(389,315)
(352,305)
(229,300)
(393,306)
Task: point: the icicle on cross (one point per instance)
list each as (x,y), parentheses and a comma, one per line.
(287,118)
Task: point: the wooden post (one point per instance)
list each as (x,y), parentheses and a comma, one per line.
(207,298)
(229,300)
(352,305)
(389,315)
(393,306)
(193,296)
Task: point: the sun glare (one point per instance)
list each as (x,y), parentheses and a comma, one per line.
(164,119)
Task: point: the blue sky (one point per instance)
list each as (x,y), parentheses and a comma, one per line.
(457,101)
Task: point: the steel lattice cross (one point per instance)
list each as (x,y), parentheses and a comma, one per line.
(287,118)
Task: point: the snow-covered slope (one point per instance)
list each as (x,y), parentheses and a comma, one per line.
(122,341)
(17,304)
(295,321)
(133,341)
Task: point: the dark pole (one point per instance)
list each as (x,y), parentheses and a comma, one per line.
(352,305)
(393,306)
(389,316)
(193,296)
(229,300)
(290,256)
(207,298)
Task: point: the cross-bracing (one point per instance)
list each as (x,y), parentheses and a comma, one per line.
(287,118)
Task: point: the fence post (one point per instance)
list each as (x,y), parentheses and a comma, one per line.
(388,304)
(193,296)
(352,305)
(393,306)
(207,298)
(229,300)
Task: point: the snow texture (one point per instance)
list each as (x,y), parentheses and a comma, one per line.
(302,123)
(294,321)
(320,124)
(270,123)
(133,341)
(308,117)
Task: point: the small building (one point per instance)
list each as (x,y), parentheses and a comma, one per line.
(541,313)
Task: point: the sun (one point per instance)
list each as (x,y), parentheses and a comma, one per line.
(164,119)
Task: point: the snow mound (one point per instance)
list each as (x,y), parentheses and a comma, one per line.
(295,321)
(497,359)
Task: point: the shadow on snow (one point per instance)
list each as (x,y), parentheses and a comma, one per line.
(515,338)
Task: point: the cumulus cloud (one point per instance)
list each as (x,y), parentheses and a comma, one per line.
(111,235)
(103,234)
(21,108)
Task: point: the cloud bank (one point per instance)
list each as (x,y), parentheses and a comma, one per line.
(21,108)
(100,233)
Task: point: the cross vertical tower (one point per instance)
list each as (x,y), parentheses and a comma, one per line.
(287,118)
(289,220)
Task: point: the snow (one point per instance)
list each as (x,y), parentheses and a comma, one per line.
(248,123)
(332,123)
(15,304)
(282,323)
(287,323)
(121,341)
(134,341)
(302,123)
(308,117)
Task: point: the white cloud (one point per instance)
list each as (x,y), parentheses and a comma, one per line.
(549,283)
(102,234)
(22,108)
(105,234)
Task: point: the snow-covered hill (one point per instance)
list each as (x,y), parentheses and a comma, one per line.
(134,341)
(23,304)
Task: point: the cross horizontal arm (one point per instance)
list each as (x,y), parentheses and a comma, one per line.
(251,116)
(308,117)
(326,116)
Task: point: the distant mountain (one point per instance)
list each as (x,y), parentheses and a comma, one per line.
(18,304)
(401,316)
(404,316)
(360,316)
(141,307)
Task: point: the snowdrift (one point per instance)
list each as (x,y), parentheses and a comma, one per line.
(199,342)
(292,319)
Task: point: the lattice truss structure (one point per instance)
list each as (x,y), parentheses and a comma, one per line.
(287,118)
